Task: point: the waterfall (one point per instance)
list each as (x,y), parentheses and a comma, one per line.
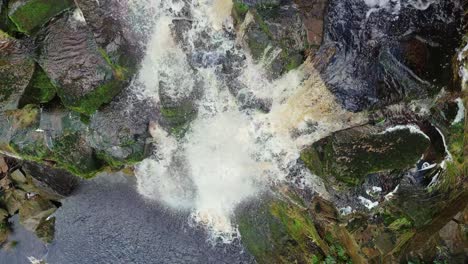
(232,151)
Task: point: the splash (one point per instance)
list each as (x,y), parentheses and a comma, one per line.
(232,152)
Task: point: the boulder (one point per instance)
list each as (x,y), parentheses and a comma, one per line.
(112,33)
(52,180)
(84,75)
(29,15)
(46,230)
(119,133)
(350,155)
(34,211)
(16,69)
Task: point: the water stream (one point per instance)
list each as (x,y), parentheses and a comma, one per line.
(232,151)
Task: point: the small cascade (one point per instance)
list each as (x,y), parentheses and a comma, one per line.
(233,149)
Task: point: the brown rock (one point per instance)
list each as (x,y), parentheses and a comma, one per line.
(313,12)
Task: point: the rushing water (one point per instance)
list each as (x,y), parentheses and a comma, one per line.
(233,151)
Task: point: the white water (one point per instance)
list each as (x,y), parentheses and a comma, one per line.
(229,155)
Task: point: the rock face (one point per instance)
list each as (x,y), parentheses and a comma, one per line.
(386,54)
(82,72)
(53,180)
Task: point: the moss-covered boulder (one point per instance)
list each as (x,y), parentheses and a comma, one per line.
(29,15)
(83,73)
(16,69)
(352,154)
(287,229)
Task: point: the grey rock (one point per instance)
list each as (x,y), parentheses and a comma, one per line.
(16,69)
(70,56)
(55,180)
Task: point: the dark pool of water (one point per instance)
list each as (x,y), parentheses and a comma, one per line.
(107,221)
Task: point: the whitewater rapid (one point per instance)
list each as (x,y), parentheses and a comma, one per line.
(231,153)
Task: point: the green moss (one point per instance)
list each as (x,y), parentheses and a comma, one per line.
(400,224)
(70,154)
(282,233)
(351,155)
(120,73)
(179,117)
(92,101)
(456,169)
(239,10)
(31,14)
(39,90)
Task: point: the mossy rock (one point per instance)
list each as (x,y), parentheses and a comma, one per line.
(65,143)
(279,232)
(39,90)
(29,15)
(352,154)
(46,230)
(268,40)
(88,78)
(34,211)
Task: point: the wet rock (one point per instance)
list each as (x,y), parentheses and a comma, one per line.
(29,15)
(352,154)
(112,32)
(279,232)
(389,54)
(84,75)
(119,131)
(16,69)
(46,230)
(34,211)
(274,35)
(50,179)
